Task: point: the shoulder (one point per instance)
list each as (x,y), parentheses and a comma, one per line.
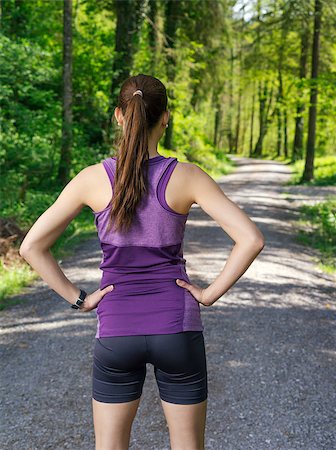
(197,184)
(191,171)
(89,178)
(90,173)
(187,178)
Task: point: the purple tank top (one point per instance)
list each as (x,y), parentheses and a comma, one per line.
(144,263)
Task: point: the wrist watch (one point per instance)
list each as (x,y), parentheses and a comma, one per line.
(80,300)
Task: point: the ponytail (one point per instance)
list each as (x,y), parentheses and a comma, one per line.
(140,115)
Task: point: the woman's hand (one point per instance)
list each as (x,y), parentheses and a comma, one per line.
(198,293)
(91,301)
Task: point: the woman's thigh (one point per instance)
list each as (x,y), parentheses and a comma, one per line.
(113,424)
(118,375)
(180,369)
(186,424)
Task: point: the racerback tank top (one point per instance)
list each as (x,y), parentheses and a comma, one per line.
(144,263)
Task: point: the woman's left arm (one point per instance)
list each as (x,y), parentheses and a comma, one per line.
(35,248)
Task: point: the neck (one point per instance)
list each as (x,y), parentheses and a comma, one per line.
(152,147)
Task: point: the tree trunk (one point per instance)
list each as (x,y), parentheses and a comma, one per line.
(218,121)
(264,107)
(172,11)
(279,107)
(252,122)
(152,35)
(279,132)
(262,94)
(65,159)
(285,134)
(236,143)
(298,136)
(129,16)
(308,173)
(230,110)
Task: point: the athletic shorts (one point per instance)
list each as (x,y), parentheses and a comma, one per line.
(179,360)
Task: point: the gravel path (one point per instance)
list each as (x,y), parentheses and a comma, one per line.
(270,341)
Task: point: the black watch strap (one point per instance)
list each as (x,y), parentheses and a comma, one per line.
(80,300)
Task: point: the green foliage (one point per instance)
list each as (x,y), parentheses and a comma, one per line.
(31,116)
(16,275)
(324,171)
(92,63)
(12,279)
(30,209)
(320,230)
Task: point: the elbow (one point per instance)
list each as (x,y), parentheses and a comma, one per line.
(25,249)
(261,245)
(28,248)
(256,242)
(259,242)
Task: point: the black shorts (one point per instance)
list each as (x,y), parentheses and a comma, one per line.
(179,360)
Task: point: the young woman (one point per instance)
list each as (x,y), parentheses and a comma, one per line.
(148,310)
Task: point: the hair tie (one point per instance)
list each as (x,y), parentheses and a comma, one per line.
(138,92)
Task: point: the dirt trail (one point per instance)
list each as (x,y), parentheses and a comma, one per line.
(270,341)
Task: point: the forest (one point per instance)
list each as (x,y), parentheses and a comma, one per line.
(250,78)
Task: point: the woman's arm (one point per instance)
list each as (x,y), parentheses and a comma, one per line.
(35,248)
(249,241)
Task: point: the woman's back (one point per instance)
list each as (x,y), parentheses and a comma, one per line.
(143,264)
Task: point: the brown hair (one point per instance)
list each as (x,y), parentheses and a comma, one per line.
(141,114)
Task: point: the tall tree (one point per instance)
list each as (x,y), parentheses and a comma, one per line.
(218,118)
(265,94)
(300,107)
(65,159)
(231,103)
(280,106)
(172,14)
(308,173)
(252,121)
(152,35)
(129,16)
(241,36)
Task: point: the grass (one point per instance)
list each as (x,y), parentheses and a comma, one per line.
(324,172)
(317,223)
(318,230)
(13,277)
(17,274)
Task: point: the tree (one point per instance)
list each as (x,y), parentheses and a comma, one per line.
(308,173)
(65,160)
(172,12)
(129,16)
(298,135)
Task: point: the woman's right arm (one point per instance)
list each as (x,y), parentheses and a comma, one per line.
(249,241)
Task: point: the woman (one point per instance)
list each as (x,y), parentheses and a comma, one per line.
(148,310)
